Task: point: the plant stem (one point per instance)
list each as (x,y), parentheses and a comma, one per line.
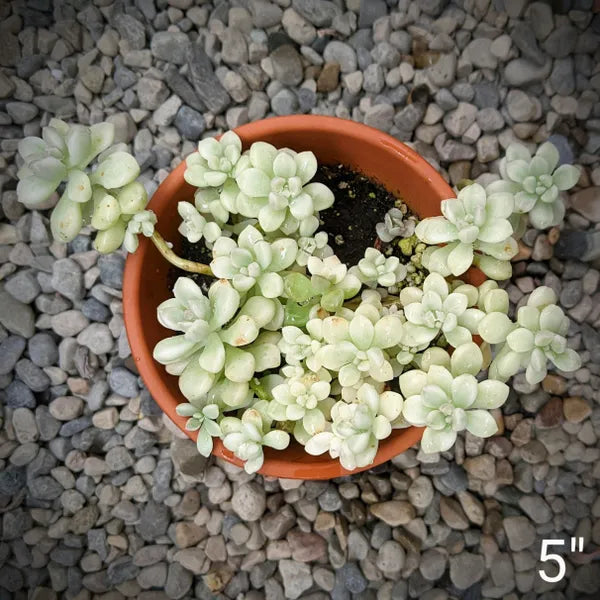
(181,263)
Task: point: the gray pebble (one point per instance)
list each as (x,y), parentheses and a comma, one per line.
(43,350)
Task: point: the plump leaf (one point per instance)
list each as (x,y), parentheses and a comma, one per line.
(437,441)
(494,327)
(436,230)
(119,169)
(565,177)
(66,220)
(132,198)
(110,239)
(481,423)
(254,183)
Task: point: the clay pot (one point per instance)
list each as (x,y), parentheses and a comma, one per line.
(372,152)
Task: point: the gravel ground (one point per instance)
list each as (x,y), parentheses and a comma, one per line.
(100,496)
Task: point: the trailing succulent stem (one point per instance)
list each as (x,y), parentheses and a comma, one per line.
(288,341)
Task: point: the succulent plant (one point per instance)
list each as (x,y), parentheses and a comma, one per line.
(215,162)
(331,279)
(194,226)
(394,225)
(435,309)
(375,269)
(355,347)
(301,396)
(203,419)
(205,349)
(298,346)
(472,222)
(538,336)
(357,428)
(140,223)
(246,437)
(446,401)
(313,246)
(260,213)
(536,182)
(253,261)
(275,189)
(60,154)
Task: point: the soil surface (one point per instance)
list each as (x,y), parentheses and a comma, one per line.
(360,203)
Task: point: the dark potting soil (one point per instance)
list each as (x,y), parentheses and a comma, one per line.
(360,203)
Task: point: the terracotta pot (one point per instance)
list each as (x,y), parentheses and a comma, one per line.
(372,152)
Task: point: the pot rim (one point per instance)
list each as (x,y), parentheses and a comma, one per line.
(153,374)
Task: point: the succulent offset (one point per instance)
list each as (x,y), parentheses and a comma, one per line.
(290,341)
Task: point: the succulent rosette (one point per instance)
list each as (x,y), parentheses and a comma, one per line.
(375,269)
(474,227)
(357,428)
(215,162)
(247,436)
(355,347)
(448,400)
(536,182)
(538,336)
(275,189)
(394,225)
(203,418)
(253,261)
(435,309)
(331,279)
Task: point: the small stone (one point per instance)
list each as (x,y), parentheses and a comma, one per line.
(171,46)
(319,12)
(341,53)
(296,578)
(329,77)
(287,67)
(97,337)
(453,514)
(307,547)
(352,578)
(154,521)
(480,53)
(520,106)
(166,112)
(536,508)
(393,512)
(234,49)
(550,414)
(186,458)
(520,533)
(24,425)
(11,349)
(587,203)
(123,382)
(17,317)
(561,42)
(420,492)
(466,569)
(284,102)
(190,123)
(66,408)
(432,564)
(249,501)
(391,557)
(576,409)
(118,458)
(522,72)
